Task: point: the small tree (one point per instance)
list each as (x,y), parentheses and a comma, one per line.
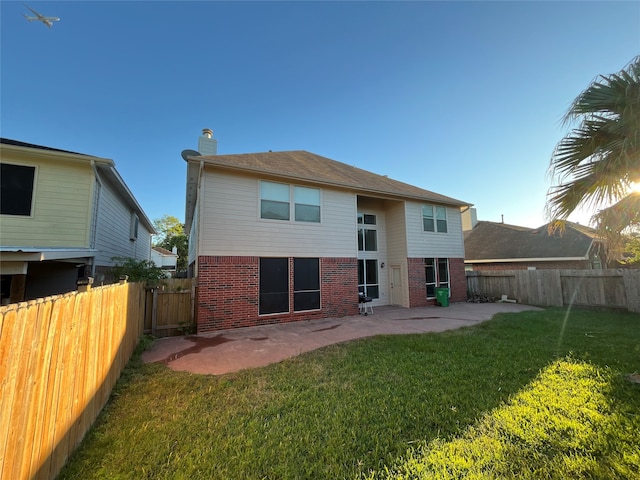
(168,226)
(631,252)
(137,270)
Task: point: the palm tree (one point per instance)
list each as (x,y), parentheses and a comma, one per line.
(597,164)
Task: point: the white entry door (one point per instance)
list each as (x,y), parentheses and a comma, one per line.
(396,285)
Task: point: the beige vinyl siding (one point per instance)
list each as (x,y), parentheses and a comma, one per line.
(397,244)
(433,244)
(113,229)
(396,231)
(231,223)
(61,208)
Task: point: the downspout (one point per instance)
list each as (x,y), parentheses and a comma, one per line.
(199,225)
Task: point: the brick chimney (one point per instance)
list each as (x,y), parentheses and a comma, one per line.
(207,145)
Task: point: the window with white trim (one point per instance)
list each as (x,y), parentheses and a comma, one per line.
(277,200)
(434,218)
(306,203)
(367,234)
(436,275)
(306,284)
(16,190)
(368,278)
(274,201)
(275,285)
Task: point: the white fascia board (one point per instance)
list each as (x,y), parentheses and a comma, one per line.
(17,254)
(52,154)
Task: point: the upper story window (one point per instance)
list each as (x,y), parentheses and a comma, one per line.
(367,234)
(276,200)
(16,192)
(434,218)
(307,204)
(135,224)
(367,219)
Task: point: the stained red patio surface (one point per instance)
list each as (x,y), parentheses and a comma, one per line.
(232,350)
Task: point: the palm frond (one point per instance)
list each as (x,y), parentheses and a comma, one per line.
(597,161)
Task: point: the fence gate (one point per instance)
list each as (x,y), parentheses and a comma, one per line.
(169,311)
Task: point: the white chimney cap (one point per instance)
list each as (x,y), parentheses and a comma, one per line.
(207,132)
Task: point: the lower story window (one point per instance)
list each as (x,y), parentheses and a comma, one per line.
(368,278)
(306,284)
(274,285)
(436,275)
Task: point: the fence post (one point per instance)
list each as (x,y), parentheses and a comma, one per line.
(154,311)
(84,285)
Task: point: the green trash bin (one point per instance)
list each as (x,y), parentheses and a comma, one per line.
(442,296)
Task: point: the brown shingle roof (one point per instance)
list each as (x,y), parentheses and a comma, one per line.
(497,241)
(309,167)
(163,251)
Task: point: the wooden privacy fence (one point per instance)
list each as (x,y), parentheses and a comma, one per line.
(60,358)
(170,308)
(592,288)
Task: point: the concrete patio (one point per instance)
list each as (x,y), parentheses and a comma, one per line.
(232,350)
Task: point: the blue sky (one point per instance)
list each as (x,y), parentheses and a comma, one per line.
(461,98)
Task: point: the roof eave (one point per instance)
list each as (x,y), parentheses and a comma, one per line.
(58,154)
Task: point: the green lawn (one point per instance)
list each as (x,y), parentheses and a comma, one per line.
(531,395)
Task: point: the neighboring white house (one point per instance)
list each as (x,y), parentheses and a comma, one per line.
(165,259)
(284,236)
(63,217)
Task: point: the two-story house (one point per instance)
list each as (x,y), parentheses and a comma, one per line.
(63,216)
(285,236)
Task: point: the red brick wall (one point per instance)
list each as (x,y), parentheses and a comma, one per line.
(417,282)
(577,265)
(228,292)
(458,280)
(339,287)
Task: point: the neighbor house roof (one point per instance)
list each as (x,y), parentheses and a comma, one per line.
(497,242)
(18,143)
(105,166)
(300,165)
(164,251)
